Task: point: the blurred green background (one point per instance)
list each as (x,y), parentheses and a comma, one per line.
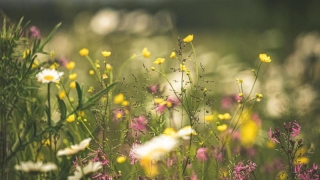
(229,35)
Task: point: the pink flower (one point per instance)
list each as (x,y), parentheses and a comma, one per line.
(295,129)
(273,136)
(174,101)
(161,108)
(217,155)
(202,154)
(34,32)
(138,125)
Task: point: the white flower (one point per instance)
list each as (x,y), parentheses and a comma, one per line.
(156,147)
(185,132)
(89,168)
(74,148)
(49,75)
(30,166)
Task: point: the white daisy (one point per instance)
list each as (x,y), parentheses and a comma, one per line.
(30,166)
(49,75)
(91,167)
(74,148)
(156,148)
(185,132)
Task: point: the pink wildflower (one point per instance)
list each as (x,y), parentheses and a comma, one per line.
(138,125)
(34,32)
(202,154)
(273,136)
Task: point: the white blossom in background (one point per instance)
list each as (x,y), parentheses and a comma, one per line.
(91,167)
(74,148)
(30,166)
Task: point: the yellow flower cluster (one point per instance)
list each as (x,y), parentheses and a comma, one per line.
(159,61)
(264,58)
(146,53)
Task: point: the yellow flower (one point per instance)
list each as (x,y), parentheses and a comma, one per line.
(270,144)
(35,64)
(222,127)
(169,104)
(121,159)
(259,97)
(71,118)
(25,53)
(81,113)
(125,103)
(84,52)
(183,67)
(73,76)
(98,66)
(108,67)
(209,118)
(146,53)
(301,160)
(118,99)
(70,65)
(90,90)
(91,72)
(173,54)
(153,69)
(282,175)
(62,94)
(46,142)
(150,167)
(54,66)
(159,61)
(169,131)
(189,38)
(264,58)
(225,116)
(158,100)
(106,53)
(52,54)
(104,76)
(249,132)
(73,85)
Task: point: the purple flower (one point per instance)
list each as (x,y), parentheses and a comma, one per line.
(295,129)
(138,125)
(273,136)
(242,171)
(34,32)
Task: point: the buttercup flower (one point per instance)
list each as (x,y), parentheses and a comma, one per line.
(121,159)
(70,65)
(209,118)
(188,39)
(49,75)
(159,61)
(62,94)
(118,98)
(74,148)
(91,72)
(91,167)
(84,52)
(71,118)
(183,67)
(146,53)
(264,58)
(222,127)
(106,53)
(30,166)
(173,54)
(73,85)
(72,76)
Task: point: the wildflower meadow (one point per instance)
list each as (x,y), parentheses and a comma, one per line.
(164,114)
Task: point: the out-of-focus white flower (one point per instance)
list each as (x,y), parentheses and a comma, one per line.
(74,148)
(156,148)
(185,132)
(91,167)
(30,166)
(159,146)
(49,75)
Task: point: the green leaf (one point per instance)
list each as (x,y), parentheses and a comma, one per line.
(62,108)
(49,37)
(79,92)
(97,96)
